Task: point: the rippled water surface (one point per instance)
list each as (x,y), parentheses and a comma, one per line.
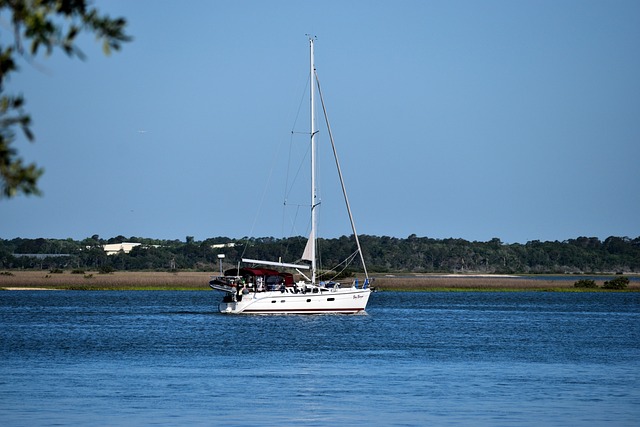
(168,358)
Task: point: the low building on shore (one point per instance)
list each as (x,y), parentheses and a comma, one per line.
(115,248)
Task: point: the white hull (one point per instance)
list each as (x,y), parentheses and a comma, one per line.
(339,301)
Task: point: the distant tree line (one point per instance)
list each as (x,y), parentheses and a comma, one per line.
(383,254)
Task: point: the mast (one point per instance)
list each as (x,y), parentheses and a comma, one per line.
(314,203)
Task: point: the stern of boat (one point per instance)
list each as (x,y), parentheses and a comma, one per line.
(227,307)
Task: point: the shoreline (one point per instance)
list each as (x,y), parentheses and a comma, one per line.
(188,280)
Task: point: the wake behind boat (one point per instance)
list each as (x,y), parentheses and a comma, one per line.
(262,290)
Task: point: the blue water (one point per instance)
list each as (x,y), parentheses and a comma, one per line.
(433,358)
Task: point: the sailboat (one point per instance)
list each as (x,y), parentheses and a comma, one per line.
(262,287)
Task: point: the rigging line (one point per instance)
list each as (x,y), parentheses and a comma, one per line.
(302,97)
(294,220)
(346,263)
(344,190)
(290,183)
(347,260)
(286,185)
(262,197)
(287,189)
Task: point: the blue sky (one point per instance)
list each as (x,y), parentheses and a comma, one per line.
(470,119)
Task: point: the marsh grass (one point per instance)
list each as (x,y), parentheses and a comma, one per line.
(474,283)
(114,281)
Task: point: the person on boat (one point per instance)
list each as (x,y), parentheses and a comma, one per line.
(240,291)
